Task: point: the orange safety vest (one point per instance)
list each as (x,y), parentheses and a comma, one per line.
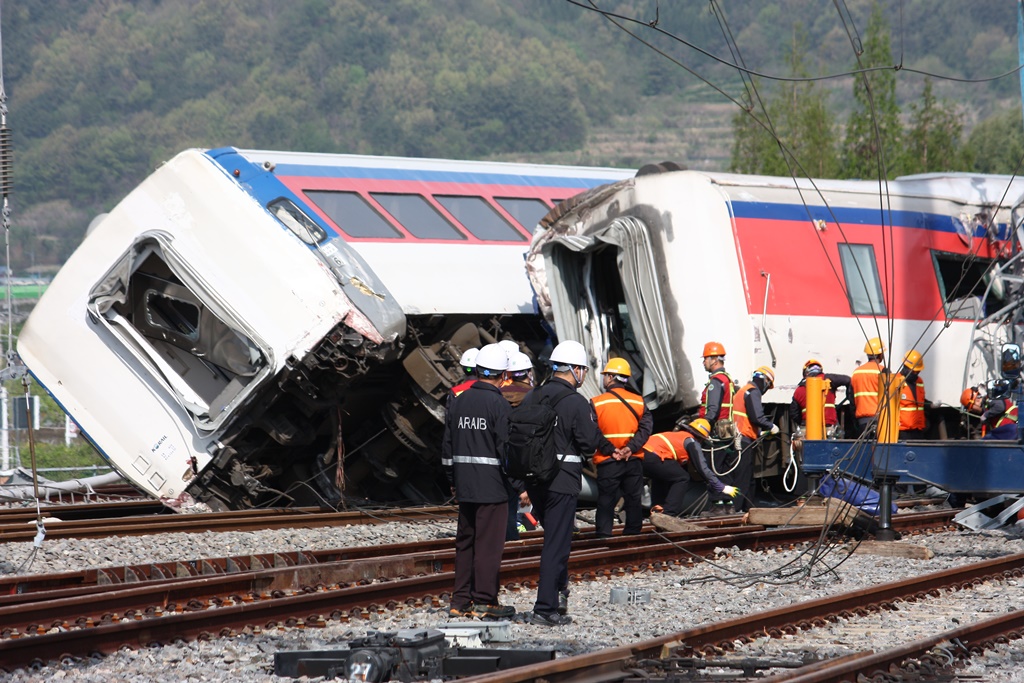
(459,388)
(616,421)
(911,409)
(669,446)
(865,388)
(1009,417)
(725,410)
(739,412)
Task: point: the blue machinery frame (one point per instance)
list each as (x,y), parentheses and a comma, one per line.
(955,466)
(979,467)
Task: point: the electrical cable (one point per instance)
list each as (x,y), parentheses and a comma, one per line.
(592,7)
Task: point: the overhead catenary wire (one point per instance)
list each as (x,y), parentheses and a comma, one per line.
(590,5)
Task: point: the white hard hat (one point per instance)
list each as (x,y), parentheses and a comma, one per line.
(519,362)
(510,346)
(492,357)
(570,353)
(468,359)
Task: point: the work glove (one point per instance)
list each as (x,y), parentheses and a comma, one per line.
(774,431)
(731,491)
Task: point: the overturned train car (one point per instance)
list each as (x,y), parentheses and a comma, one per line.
(252,328)
(781,271)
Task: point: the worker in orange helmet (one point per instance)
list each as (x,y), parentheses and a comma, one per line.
(752,423)
(798,405)
(865,385)
(624,420)
(912,397)
(997,411)
(716,399)
(672,460)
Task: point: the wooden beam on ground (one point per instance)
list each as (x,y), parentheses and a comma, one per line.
(832,512)
(664,522)
(894,549)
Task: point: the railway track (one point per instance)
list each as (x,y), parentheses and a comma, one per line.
(86,613)
(663,656)
(141,518)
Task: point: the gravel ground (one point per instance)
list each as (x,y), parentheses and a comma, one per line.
(736,583)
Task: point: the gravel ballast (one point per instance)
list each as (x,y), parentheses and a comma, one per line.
(736,583)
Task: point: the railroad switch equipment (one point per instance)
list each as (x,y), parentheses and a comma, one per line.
(406,655)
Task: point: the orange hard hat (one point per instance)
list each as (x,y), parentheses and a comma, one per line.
(617,366)
(968,396)
(767,373)
(913,361)
(714,349)
(701,426)
(874,347)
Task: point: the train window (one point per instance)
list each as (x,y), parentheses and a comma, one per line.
(480,218)
(353,214)
(417,216)
(296,220)
(527,212)
(863,287)
(963,281)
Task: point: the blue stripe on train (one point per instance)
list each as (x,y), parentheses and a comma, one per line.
(853,216)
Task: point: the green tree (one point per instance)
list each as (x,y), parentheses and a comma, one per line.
(801,120)
(873,144)
(998,143)
(933,136)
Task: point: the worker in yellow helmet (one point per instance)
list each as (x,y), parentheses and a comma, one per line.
(865,385)
(624,420)
(682,480)
(912,397)
(752,423)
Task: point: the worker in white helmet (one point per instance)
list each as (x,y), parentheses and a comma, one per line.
(576,436)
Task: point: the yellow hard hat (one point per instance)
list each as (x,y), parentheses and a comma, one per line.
(701,426)
(713,349)
(617,366)
(767,373)
(813,368)
(874,347)
(913,361)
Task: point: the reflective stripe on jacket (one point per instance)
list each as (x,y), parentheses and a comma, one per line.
(669,446)
(725,409)
(912,407)
(739,412)
(616,421)
(865,388)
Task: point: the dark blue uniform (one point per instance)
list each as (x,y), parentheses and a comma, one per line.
(476,431)
(576,437)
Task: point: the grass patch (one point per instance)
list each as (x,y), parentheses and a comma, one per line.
(79,455)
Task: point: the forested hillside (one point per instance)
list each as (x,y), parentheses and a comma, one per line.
(100,92)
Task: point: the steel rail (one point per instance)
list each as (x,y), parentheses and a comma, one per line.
(613,663)
(244,520)
(310,607)
(966,640)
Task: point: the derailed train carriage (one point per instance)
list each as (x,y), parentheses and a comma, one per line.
(265,328)
(244,321)
(781,271)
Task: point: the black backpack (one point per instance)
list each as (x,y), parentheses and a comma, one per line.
(531,455)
